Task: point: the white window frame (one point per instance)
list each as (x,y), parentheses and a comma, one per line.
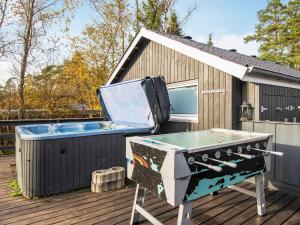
(185,117)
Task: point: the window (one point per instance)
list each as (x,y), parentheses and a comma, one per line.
(184,101)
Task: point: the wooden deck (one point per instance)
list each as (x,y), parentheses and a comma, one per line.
(83,207)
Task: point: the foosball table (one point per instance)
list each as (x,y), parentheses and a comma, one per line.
(182,167)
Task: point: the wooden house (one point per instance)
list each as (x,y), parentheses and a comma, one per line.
(207,85)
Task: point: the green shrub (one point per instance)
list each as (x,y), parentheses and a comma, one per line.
(7,152)
(16,188)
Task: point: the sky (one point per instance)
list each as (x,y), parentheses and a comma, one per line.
(229,21)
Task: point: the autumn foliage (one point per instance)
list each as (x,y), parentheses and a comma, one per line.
(42,86)
(58,90)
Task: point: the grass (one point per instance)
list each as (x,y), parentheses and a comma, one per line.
(7,152)
(16,190)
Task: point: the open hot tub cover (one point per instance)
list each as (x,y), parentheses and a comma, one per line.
(143,102)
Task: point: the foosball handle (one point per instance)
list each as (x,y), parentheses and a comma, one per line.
(276,153)
(215,168)
(270,152)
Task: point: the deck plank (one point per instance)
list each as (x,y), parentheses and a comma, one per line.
(45,211)
(283,215)
(70,212)
(98,215)
(294,219)
(272,210)
(125,218)
(199,210)
(84,207)
(223,207)
(252,211)
(236,210)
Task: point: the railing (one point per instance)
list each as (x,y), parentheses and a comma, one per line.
(40,114)
(7,129)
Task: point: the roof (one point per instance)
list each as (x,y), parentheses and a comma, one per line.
(244,67)
(236,57)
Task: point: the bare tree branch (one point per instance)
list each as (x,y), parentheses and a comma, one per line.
(33,20)
(5,16)
(188,14)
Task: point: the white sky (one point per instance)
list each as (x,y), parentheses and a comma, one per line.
(232,41)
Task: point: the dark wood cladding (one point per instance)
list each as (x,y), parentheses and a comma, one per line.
(215,109)
(237,95)
(281,103)
(46,167)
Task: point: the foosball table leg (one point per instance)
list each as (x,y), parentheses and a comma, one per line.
(260,195)
(139,199)
(185,213)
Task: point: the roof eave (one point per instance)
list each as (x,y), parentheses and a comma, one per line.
(255,70)
(257,75)
(229,67)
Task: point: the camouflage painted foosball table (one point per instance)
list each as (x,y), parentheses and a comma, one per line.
(182,167)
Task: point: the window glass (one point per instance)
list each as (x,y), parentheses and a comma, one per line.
(184,100)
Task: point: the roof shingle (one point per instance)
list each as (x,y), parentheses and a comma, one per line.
(236,57)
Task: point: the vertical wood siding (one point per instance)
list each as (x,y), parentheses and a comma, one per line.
(215,109)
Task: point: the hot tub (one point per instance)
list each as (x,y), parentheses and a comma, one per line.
(54,158)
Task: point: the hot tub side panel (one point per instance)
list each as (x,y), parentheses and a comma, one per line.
(18,158)
(66,164)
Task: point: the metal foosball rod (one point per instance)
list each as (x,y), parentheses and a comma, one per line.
(215,168)
(244,155)
(266,151)
(233,165)
(229,152)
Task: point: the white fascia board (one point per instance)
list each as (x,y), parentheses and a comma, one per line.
(271,81)
(229,67)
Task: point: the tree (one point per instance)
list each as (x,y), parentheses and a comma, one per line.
(173,25)
(137,25)
(293,33)
(81,84)
(8,96)
(58,90)
(167,11)
(159,15)
(33,19)
(103,43)
(5,17)
(210,42)
(278,32)
(151,15)
(44,91)
(4,4)
(270,32)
